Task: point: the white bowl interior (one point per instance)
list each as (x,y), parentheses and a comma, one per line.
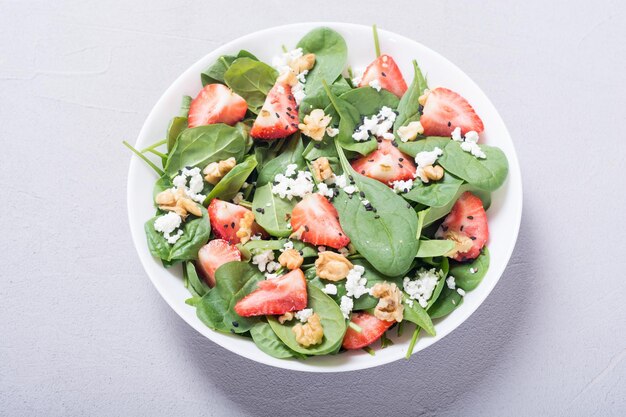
(504,214)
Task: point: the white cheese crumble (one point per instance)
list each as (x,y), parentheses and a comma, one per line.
(339,180)
(332,131)
(301,77)
(365,202)
(303,315)
(281,62)
(378,125)
(272,266)
(426,158)
(421,288)
(450,282)
(288,245)
(350,189)
(346,306)
(191,181)
(297,91)
(357,76)
(330,289)
(255,237)
(238,198)
(355,282)
(400,186)
(461,292)
(167,224)
(323,189)
(262,259)
(470,143)
(287,187)
(271,276)
(409,302)
(473,270)
(375,84)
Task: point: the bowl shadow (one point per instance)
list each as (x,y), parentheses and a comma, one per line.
(427,384)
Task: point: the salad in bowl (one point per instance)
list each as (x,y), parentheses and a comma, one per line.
(315,208)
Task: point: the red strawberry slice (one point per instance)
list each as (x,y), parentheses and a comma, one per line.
(279,116)
(216,103)
(315,220)
(213,255)
(386,71)
(371,330)
(469,220)
(386,164)
(225,217)
(445,110)
(275,296)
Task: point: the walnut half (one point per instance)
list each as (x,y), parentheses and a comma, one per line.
(314,124)
(178,202)
(462,243)
(291,259)
(321,169)
(311,333)
(215,171)
(245,227)
(389,307)
(332,266)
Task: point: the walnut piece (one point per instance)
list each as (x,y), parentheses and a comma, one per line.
(422,99)
(245,227)
(286,317)
(409,132)
(303,63)
(311,333)
(332,266)
(389,307)
(178,202)
(315,124)
(215,171)
(462,243)
(431,173)
(291,259)
(321,169)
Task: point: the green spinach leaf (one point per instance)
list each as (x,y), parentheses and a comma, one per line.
(488,174)
(215,73)
(266,340)
(421,145)
(418,315)
(434,248)
(319,99)
(291,154)
(462,272)
(447,302)
(272,212)
(409,107)
(331,55)
(252,80)
(231,183)
(434,194)
(436,213)
(191,275)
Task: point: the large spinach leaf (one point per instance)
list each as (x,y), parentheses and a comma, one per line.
(488,174)
(462,272)
(427,144)
(409,107)
(436,213)
(291,154)
(215,73)
(331,55)
(230,185)
(387,237)
(272,212)
(234,280)
(178,123)
(266,340)
(434,194)
(332,321)
(202,145)
(367,101)
(252,80)
(434,248)
(195,234)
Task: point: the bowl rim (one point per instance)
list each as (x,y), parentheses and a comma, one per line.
(514,180)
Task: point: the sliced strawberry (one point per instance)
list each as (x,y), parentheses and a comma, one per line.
(216,103)
(467,220)
(315,220)
(279,116)
(371,330)
(275,296)
(213,255)
(445,110)
(386,164)
(386,71)
(225,218)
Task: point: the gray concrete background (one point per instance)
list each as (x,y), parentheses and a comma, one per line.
(82,330)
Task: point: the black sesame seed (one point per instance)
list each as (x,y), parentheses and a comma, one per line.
(226,226)
(350,177)
(362,172)
(232,225)
(301,252)
(289,109)
(261,210)
(420,108)
(383,74)
(470,217)
(408,205)
(340,234)
(277,115)
(401,166)
(400,159)
(449,124)
(462,228)
(394,143)
(306,228)
(377,216)
(473,237)
(236,324)
(286,127)
(362,194)
(374,209)
(291,116)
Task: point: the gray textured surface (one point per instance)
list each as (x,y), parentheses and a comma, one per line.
(82,330)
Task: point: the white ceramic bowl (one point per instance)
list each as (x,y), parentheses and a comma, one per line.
(504,214)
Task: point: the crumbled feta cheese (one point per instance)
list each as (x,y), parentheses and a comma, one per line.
(262,259)
(473,270)
(255,237)
(281,62)
(461,292)
(375,84)
(270,276)
(426,158)
(409,302)
(421,288)
(456,134)
(400,186)
(330,289)
(323,189)
(470,143)
(291,170)
(378,125)
(357,76)
(167,224)
(474,149)
(297,91)
(301,77)
(355,282)
(191,181)
(332,131)
(303,315)
(286,187)
(238,198)
(272,266)
(346,306)
(340,181)
(365,202)
(349,189)
(288,245)
(450,282)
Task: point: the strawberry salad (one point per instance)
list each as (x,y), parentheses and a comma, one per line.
(315,208)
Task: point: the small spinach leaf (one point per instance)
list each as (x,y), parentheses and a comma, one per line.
(463,274)
(331,55)
(436,213)
(234,280)
(272,212)
(409,107)
(488,174)
(416,314)
(434,248)
(447,302)
(332,321)
(215,73)
(191,275)
(202,145)
(252,80)
(266,340)
(230,185)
